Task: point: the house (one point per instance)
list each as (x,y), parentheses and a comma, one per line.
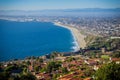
(39,76)
(117,60)
(43,76)
(96,67)
(91,62)
(60,58)
(103,50)
(30,68)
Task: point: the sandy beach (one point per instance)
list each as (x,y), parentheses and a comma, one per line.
(76,33)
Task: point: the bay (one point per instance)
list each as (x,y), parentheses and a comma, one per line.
(22,39)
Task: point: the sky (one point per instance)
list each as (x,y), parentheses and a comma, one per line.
(56,4)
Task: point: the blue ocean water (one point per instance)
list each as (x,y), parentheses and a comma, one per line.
(22,39)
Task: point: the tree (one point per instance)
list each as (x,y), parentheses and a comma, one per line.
(53,55)
(28,77)
(4,75)
(69,59)
(116,54)
(88,72)
(64,70)
(28,63)
(25,70)
(40,60)
(52,66)
(109,71)
(37,68)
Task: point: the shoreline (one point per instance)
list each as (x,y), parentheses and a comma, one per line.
(78,37)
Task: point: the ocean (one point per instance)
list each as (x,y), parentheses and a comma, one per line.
(22,39)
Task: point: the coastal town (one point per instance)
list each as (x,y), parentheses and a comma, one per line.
(103,26)
(99,42)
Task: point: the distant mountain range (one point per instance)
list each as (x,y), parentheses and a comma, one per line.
(62,12)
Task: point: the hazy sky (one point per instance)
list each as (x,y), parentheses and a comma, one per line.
(56,4)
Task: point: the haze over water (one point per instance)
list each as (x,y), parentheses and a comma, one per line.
(21,39)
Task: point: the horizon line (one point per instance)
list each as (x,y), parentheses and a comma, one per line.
(57,9)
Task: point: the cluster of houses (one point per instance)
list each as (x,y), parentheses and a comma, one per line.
(76,66)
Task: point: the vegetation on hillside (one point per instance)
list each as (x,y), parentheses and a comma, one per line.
(109,71)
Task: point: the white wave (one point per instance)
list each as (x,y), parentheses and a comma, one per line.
(75,46)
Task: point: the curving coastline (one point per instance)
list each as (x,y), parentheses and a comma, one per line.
(77,35)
